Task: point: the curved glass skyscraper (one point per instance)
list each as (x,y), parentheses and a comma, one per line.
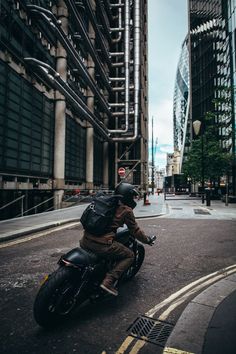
(181,99)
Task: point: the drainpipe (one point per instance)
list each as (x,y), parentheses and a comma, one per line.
(60,115)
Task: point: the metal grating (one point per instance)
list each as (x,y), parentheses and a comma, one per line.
(177,208)
(201,211)
(151,330)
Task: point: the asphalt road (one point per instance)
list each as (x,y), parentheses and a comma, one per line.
(185,251)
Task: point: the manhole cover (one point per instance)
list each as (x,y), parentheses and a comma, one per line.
(201,211)
(151,330)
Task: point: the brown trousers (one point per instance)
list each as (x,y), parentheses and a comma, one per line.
(123,256)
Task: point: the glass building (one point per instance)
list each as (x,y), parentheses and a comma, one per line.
(211,63)
(181,101)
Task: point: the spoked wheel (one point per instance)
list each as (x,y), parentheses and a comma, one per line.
(136,265)
(55,299)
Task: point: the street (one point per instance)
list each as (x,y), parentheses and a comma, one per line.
(186,250)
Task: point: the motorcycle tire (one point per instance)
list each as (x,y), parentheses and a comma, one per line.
(134,268)
(55,299)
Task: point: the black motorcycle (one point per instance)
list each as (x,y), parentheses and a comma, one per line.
(78,279)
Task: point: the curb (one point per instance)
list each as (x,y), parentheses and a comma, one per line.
(189,332)
(10,236)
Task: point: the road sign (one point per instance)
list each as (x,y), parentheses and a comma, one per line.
(121,171)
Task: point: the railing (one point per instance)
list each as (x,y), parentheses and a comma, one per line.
(36,206)
(14,201)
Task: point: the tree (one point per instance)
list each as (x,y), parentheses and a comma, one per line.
(210,148)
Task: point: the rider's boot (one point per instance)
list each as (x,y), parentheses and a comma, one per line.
(108,285)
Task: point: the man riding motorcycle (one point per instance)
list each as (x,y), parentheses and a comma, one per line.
(107,247)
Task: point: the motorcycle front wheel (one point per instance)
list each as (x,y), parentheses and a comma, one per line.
(136,265)
(55,299)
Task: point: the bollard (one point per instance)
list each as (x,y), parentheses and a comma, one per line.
(208,197)
(144,198)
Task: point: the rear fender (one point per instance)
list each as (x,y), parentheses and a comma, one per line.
(78,257)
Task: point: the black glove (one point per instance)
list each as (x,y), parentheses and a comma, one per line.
(151,240)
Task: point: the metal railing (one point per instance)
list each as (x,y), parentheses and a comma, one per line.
(14,201)
(36,206)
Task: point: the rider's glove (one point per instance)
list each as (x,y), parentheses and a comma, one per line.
(151,240)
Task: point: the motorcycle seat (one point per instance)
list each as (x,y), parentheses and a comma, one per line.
(80,256)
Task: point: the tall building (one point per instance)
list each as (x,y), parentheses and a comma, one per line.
(73,103)
(181,103)
(211,76)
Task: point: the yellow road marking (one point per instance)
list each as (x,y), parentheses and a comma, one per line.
(44,233)
(169,350)
(125,345)
(180,296)
(138,345)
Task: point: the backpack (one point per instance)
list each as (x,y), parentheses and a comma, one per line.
(98,216)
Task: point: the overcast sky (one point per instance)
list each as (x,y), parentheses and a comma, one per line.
(167,28)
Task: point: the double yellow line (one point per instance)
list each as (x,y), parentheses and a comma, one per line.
(173,301)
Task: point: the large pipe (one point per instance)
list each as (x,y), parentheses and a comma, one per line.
(58,83)
(77,102)
(137,29)
(99,37)
(51,20)
(116,40)
(127,68)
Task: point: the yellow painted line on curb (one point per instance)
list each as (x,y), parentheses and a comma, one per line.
(169,350)
(37,235)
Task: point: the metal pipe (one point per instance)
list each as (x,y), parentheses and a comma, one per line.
(115,54)
(137,30)
(57,83)
(116,40)
(64,39)
(97,30)
(104,17)
(127,68)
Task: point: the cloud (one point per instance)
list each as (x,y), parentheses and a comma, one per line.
(166,148)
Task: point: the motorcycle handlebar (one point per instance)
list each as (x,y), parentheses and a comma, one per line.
(152,240)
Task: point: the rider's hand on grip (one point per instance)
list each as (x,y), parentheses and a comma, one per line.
(151,240)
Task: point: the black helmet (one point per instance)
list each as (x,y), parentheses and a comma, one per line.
(128,193)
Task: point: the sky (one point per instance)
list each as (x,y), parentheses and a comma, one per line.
(167,29)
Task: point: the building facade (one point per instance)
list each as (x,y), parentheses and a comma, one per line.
(212,56)
(73,103)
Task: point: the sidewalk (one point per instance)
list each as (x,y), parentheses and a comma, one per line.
(13,228)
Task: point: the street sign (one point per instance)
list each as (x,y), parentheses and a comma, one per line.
(121,171)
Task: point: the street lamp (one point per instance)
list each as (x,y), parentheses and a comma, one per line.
(197,128)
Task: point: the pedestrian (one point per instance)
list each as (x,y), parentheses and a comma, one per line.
(106,245)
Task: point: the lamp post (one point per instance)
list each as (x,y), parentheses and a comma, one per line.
(197,127)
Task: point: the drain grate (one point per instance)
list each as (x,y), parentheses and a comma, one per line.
(201,211)
(151,330)
(177,208)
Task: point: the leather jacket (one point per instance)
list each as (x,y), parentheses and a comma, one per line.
(124,215)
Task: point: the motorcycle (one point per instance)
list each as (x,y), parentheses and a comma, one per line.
(78,280)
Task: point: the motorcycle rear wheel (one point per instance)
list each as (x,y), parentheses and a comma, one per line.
(134,268)
(55,299)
